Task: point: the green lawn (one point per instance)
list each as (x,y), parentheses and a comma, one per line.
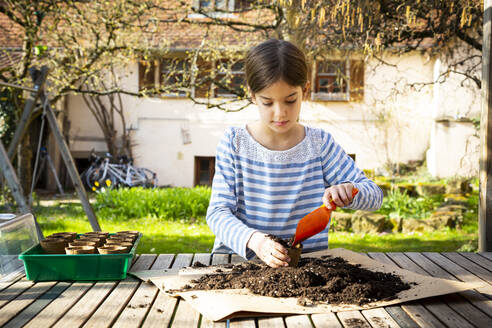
(161,236)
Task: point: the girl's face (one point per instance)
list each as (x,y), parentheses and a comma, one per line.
(279,105)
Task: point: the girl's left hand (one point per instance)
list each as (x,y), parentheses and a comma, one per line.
(340,194)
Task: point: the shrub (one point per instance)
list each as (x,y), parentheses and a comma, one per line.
(187,204)
(398,204)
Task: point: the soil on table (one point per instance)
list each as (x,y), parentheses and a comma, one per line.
(316,280)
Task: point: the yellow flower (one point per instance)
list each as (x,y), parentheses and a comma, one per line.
(108,182)
(96,183)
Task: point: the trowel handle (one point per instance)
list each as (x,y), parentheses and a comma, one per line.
(334,206)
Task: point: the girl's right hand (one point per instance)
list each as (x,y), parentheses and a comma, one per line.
(272,253)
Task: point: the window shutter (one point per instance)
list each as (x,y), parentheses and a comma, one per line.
(203,79)
(146,75)
(356,80)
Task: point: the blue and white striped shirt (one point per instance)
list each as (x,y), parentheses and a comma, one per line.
(258,189)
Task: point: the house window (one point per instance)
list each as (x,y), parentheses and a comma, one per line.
(338,80)
(146,75)
(221,78)
(175,72)
(332,80)
(219,8)
(229,79)
(204,170)
(157,74)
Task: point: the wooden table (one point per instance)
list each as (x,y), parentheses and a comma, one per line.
(130,303)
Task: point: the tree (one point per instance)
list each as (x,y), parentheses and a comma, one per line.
(76,40)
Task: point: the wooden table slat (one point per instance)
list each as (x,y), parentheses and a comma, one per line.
(272,322)
(110,308)
(14,290)
(136,310)
(381,257)
(470,266)
(164,306)
(15,306)
(242,323)
(460,305)
(486,254)
(204,258)
(458,271)
(480,260)
(400,316)
(206,323)
(78,314)
(477,299)
(236,259)
(51,313)
(130,303)
(297,321)
(421,315)
(353,319)
(325,320)
(379,318)
(4,285)
(443,312)
(185,315)
(37,306)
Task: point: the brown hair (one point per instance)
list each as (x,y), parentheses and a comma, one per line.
(274,60)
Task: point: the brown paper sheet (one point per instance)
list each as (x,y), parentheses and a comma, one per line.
(225,304)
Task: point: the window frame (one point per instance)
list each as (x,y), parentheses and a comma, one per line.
(179,94)
(215,88)
(225,12)
(330,96)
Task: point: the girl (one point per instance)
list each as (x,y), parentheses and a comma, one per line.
(272,172)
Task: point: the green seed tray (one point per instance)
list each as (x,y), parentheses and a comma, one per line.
(68,267)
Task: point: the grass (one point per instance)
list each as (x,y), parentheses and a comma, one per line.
(164,236)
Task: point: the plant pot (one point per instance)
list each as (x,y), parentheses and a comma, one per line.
(295,255)
(80,250)
(128,246)
(79,242)
(97,233)
(111,250)
(53,245)
(126,236)
(120,238)
(68,236)
(128,232)
(97,240)
(118,241)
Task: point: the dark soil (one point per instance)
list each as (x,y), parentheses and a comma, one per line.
(326,280)
(283,242)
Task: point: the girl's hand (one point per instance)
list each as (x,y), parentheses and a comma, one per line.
(340,194)
(272,253)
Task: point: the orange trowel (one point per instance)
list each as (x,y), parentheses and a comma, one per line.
(315,222)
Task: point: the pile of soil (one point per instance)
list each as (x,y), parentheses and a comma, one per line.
(315,280)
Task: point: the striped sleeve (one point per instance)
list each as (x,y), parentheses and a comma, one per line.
(339,168)
(221,214)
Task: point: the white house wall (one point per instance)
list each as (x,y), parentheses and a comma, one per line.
(393,124)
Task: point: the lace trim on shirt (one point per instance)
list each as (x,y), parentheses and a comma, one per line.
(308,148)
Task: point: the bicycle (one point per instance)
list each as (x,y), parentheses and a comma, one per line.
(103,173)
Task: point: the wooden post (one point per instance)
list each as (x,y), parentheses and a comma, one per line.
(14,185)
(485,207)
(39,80)
(70,164)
